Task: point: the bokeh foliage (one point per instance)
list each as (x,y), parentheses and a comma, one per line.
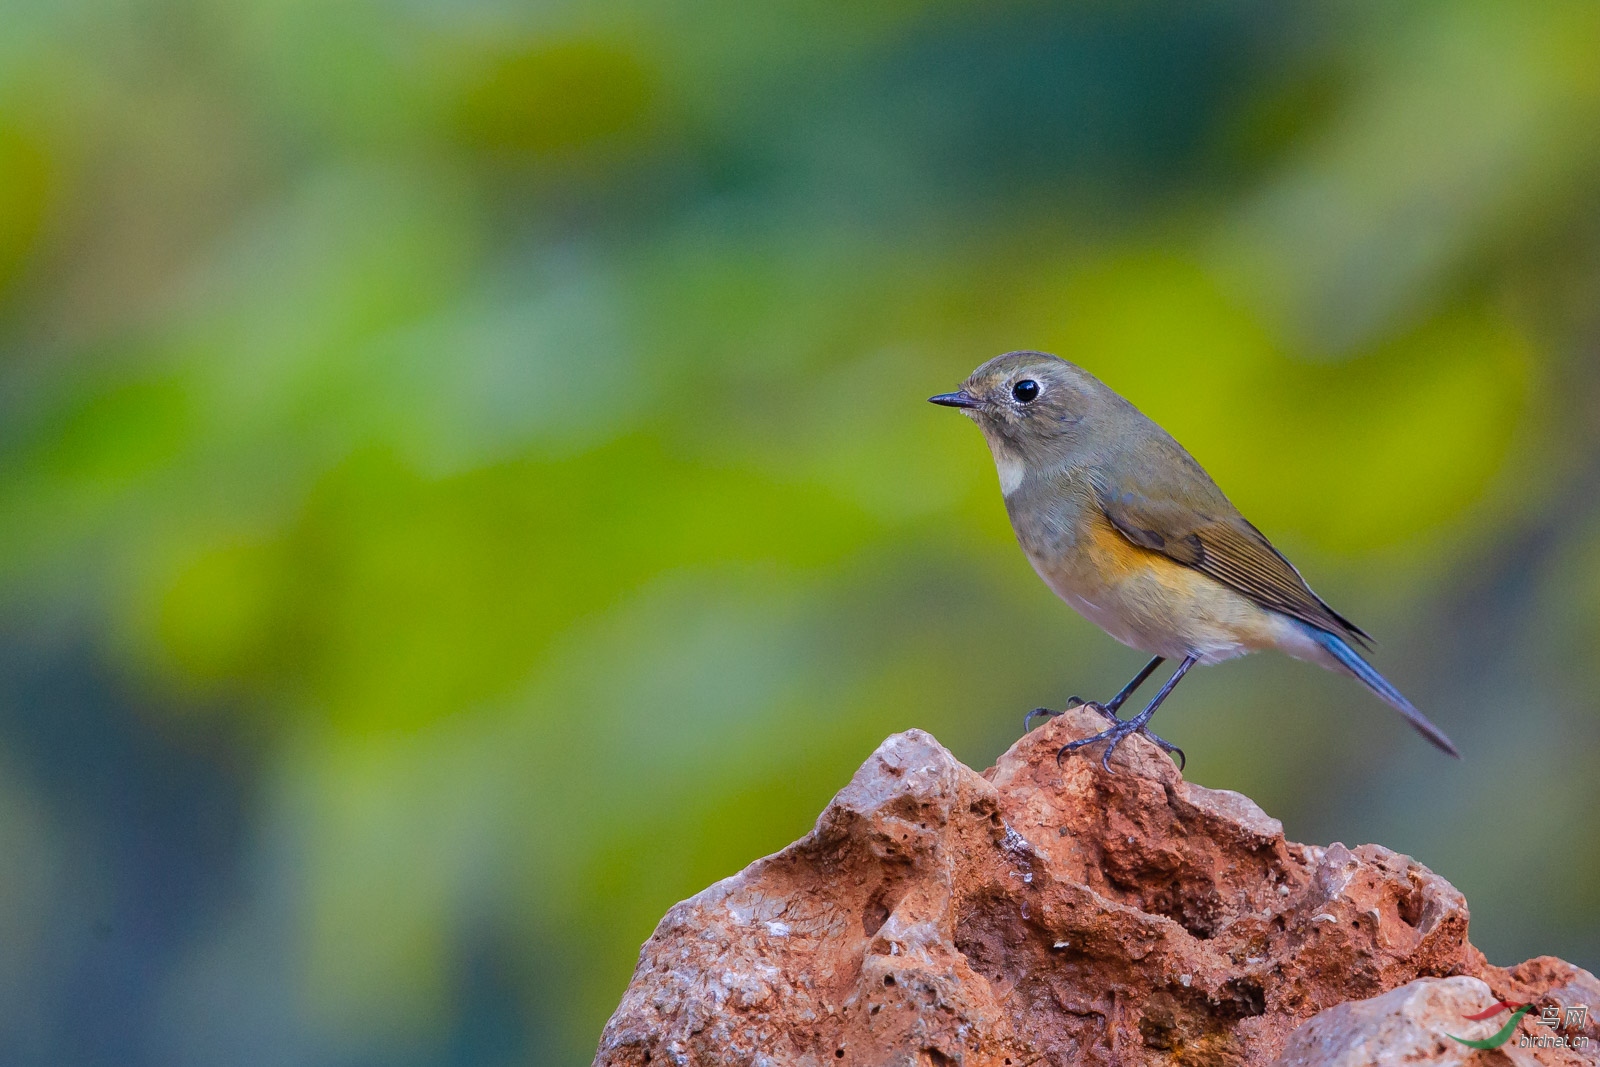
(467,485)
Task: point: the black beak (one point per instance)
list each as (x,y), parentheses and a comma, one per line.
(958,399)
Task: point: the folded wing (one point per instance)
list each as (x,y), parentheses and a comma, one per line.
(1224,547)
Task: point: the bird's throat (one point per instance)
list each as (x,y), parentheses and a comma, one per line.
(1011,467)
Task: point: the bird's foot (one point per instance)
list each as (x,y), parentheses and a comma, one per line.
(1109,714)
(1168,747)
(1027,720)
(1072,702)
(1114,736)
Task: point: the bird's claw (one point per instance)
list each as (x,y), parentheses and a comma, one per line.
(1115,735)
(1072,702)
(1028,718)
(1169,748)
(1095,705)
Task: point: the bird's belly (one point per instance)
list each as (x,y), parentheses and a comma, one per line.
(1150,602)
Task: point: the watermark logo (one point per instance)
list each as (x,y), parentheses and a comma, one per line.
(1573,1017)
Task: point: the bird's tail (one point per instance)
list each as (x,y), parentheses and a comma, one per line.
(1351,661)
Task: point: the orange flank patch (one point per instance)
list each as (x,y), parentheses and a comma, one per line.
(1151,601)
(1116,558)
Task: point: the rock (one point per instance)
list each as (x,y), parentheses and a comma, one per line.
(1410,1025)
(1037,914)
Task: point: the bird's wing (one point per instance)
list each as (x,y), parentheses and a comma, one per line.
(1224,547)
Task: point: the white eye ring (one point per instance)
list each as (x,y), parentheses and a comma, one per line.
(1025,391)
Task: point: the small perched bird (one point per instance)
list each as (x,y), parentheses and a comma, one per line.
(1125,526)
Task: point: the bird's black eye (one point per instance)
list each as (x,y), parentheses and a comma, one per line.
(1025,391)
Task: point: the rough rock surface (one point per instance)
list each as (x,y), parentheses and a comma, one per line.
(1042,915)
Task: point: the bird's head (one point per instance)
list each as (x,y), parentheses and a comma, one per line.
(1030,405)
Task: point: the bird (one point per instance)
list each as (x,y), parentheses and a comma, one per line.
(1122,523)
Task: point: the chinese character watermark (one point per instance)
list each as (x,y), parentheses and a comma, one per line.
(1555,1017)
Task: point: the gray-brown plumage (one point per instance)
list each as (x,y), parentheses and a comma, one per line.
(1128,528)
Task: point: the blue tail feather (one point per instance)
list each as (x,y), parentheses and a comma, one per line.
(1351,661)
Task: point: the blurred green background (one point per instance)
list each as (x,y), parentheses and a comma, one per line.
(467,483)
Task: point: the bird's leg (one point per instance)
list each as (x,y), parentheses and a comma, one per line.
(1127,690)
(1109,709)
(1137,724)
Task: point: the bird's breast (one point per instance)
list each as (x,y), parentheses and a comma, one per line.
(1144,599)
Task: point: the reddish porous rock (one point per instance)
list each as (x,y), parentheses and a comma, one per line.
(1037,914)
